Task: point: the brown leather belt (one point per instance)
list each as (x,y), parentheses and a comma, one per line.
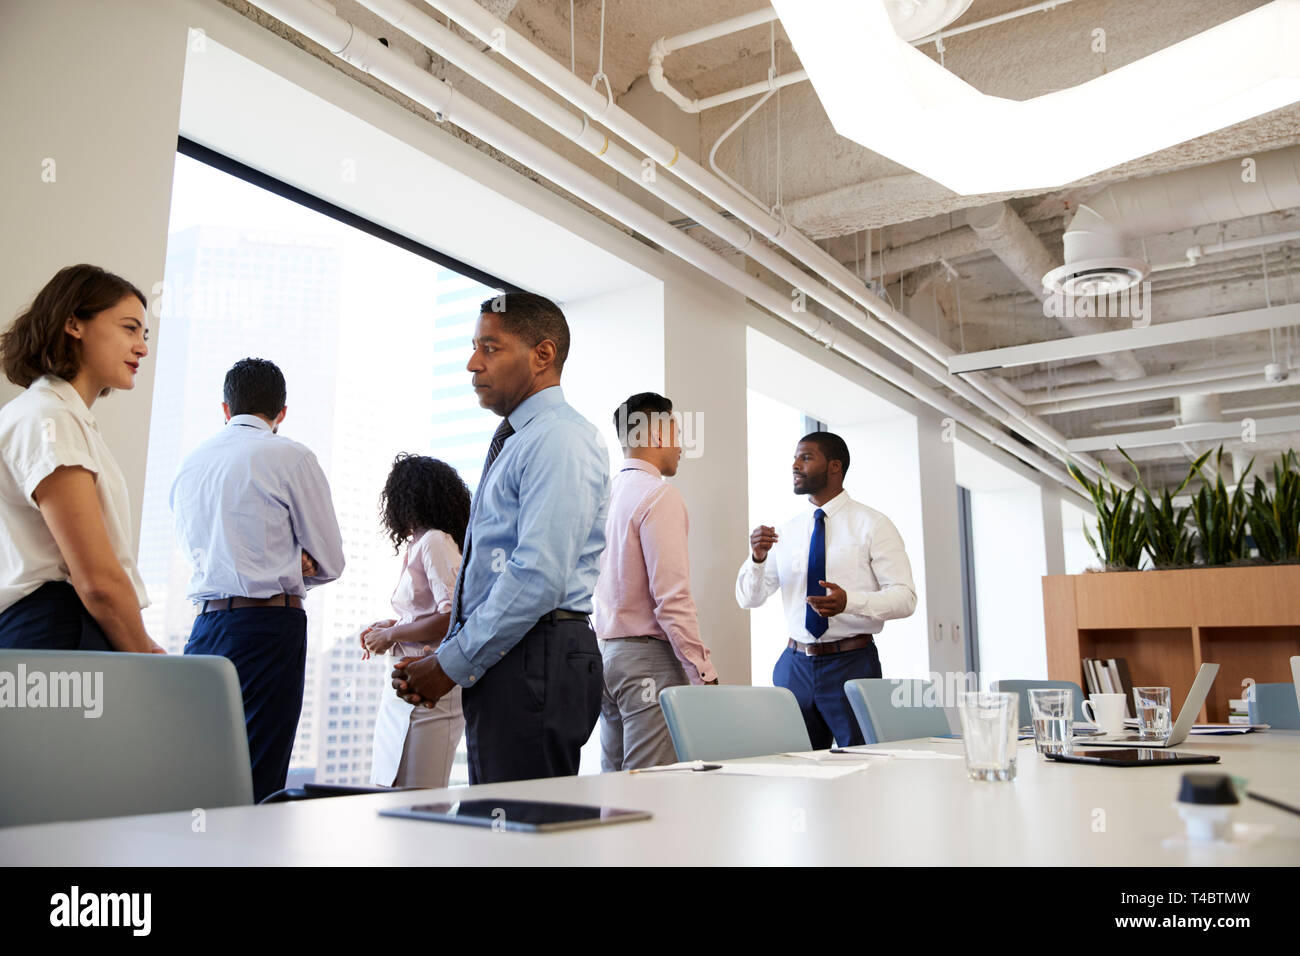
(231,603)
(855,643)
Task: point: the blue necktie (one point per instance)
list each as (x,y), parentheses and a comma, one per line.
(814,622)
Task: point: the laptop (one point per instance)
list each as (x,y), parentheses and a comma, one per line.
(1181,727)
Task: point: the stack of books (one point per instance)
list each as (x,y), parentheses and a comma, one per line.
(1109,675)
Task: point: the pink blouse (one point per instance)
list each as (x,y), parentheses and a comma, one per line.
(425,586)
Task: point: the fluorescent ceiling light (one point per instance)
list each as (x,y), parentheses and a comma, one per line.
(882,92)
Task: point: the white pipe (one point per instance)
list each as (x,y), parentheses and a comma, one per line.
(1233,189)
(1184,377)
(519,51)
(721,29)
(660,49)
(365,52)
(713,153)
(1194,253)
(1245,383)
(940,35)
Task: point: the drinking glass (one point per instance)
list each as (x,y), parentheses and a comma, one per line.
(989,726)
(1052,711)
(1153,706)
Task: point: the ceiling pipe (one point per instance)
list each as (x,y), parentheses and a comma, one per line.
(1024,254)
(1198,431)
(356,47)
(1098,238)
(1244,383)
(1196,253)
(1082,372)
(898,12)
(915,346)
(1184,377)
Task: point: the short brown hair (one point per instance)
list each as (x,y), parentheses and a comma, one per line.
(36,344)
(533,318)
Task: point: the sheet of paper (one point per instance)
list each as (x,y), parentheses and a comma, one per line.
(903,754)
(793,768)
(826,756)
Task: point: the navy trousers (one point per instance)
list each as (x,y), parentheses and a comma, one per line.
(530,713)
(818,684)
(51,618)
(268,646)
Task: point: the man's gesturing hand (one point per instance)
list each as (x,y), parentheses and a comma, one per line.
(761,540)
(832,603)
(421,680)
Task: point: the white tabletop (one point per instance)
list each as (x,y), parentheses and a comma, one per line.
(896,812)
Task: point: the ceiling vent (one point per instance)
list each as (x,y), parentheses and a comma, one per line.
(914,19)
(1096,276)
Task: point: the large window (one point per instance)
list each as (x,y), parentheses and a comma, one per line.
(373,341)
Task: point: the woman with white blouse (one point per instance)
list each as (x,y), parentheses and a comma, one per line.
(425,505)
(68,578)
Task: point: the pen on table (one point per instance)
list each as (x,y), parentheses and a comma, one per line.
(696,765)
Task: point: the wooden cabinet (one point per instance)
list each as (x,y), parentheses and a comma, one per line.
(1167,623)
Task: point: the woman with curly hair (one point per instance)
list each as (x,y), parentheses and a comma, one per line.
(424,505)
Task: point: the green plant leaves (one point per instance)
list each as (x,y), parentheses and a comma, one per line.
(1216,528)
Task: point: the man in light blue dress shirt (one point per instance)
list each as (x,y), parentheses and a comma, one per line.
(520,642)
(254,514)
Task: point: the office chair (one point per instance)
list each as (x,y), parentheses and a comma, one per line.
(725,723)
(894,709)
(131,733)
(1275,705)
(1022,688)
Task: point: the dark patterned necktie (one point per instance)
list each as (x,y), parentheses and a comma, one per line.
(814,622)
(503,432)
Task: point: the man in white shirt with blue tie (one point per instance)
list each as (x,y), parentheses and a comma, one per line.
(255,517)
(842,572)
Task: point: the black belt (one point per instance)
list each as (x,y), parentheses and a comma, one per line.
(550,617)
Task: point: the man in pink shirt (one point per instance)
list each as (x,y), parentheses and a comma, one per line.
(645,616)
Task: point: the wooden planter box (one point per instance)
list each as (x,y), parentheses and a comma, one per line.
(1167,623)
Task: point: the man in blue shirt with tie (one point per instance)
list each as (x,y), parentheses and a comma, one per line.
(520,642)
(842,572)
(254,514)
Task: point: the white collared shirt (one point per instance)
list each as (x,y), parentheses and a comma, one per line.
(247,503)
(48,426)
(864,556)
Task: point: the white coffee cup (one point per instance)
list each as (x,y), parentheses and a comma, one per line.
(1106,711)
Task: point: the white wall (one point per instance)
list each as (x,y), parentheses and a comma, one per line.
(90,101)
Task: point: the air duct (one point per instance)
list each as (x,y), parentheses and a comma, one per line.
(1098,257)
(1007,237)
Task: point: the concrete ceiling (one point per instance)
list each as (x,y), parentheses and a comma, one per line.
(849,198)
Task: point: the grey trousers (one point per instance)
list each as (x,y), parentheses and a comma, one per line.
(633,732)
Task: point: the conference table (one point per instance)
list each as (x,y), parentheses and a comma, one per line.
(899,810)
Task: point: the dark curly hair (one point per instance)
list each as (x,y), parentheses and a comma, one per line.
(424,493)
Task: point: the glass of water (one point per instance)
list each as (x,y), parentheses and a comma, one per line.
(1153,707)
(989,726)
(1052,710)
